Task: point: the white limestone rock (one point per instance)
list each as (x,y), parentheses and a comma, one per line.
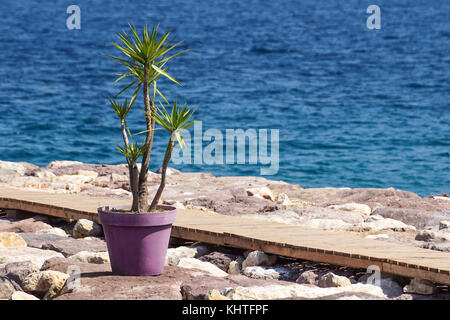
(56,231)
(444,225)
(353,207)
(86,228)
(91,257)
(20,295)
(375,223)
(330,280)
(258,258)
(192,263)
(174,255)
(64,163)
(261,192)
(272,292)
(266,273)
(21,254)
(234,267)
(13,166)
(326,224)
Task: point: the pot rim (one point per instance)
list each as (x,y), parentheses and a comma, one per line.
(110,210)
(111,218)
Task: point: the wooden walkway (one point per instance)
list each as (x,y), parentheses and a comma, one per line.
(338,248)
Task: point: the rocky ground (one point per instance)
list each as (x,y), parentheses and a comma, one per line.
(42,257)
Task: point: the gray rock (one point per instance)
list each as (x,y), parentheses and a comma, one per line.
(418,218)
(201,249)
(420,286)
(18,271)
(390,203)
(66,265)
(425,235)
(428,235)
(28,225)
(8,287)
(72,169)
(69,246)
(234,202)
(444,225)
(38,240)
(308,277)
(219,259)
(445,246)
(390,287)
(328,213)
(21,254)
(370,196)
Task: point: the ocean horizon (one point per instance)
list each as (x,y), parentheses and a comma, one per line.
(354,107)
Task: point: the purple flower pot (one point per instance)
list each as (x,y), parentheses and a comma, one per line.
(137,243)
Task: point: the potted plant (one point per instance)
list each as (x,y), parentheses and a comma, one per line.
(137,237)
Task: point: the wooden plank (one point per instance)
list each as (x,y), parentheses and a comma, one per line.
(333,247)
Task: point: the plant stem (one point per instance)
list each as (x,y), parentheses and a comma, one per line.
(134,176)
(132,170)
(150,123)
(162,184)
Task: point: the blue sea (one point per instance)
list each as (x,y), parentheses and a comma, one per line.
(354,107)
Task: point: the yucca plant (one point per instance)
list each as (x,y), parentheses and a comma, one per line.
(173,122)
(145,60)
